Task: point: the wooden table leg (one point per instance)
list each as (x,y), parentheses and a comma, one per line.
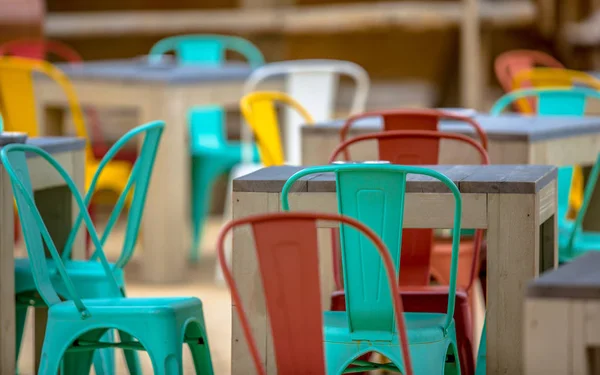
(166,222)
(520,240)
(7,277)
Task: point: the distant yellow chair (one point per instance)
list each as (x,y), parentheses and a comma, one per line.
(557,77)
(258,109)
(17,101)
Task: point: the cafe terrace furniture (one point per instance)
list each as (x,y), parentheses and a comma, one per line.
(421,257)
(515,204)
(510,63)
(157,91)
(56,206)
(206,49)
(562,320)
(88,275)
(76,326)
(573,241)
(41,49)
(286,246)
(513,139)
(313,84)
(375,195)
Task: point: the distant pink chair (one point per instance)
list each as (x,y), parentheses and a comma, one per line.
(287,250)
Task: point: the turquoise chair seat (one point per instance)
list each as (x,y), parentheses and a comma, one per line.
(420,328)
(158,324)
(89,277)
(212,156)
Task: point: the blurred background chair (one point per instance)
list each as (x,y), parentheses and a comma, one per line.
(206,49)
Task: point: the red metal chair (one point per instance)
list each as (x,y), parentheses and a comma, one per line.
(421,147)
(510,63)
(287,250)
(41,49)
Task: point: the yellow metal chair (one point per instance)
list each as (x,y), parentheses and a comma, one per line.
(17,101)
(259,111)
(556,77)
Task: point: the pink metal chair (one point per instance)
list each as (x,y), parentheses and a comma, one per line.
(421,147)
(287,250)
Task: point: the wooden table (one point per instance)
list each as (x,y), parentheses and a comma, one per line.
(513,139)
(157,92)
(58,209)
(516,204)
(562,320)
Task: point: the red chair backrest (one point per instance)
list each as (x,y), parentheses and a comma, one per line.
(287,251)
(39,49)
(414,119)
(510,63)
(415,147)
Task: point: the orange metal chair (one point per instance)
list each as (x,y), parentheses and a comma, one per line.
(17,100)
(259,111)
(426,153)
(287,250)
(421,147)
(510,63)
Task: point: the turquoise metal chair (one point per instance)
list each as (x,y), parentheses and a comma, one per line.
(206,49)
(564,101)
(482,354)
(212,156)
(76,326)
(88,275)
(573,241)
(564,182)
(374,194)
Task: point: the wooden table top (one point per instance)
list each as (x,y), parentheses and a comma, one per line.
(513,179)
(504,127)
(579,279)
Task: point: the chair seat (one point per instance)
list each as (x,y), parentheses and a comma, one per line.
(128,307)
(421,328)
(88,277)
(584,241)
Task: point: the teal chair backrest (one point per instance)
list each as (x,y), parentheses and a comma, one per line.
(566,101)
(207,127)
(565,177)
(206,49)
(137,184)
(375,195)
(35,232)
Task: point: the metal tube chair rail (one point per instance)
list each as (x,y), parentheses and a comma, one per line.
(576,95)
(428,120)
(554,77)
(402,172)
(509,63)
(283,217)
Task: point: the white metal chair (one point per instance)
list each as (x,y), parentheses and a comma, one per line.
(314,84)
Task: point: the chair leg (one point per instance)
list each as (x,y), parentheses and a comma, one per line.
(104,359)
(167,360)
(21,317)
(131,356)
(203,177)
(77,363)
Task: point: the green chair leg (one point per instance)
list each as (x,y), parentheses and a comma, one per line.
(21,317)
(131,357)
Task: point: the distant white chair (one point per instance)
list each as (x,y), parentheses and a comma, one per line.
(314,84)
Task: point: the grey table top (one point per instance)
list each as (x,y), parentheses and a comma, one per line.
(57,144)
(515,179)
(140,70)
(579,279)
(504,127)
